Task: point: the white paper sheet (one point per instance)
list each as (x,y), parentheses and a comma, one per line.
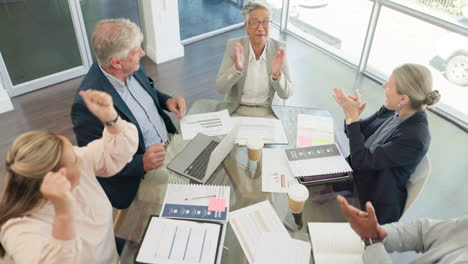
(276,174)
(327,249)
(249,223)
(272,249)
(177,241)
(314,130)
(270,130)
(210,124)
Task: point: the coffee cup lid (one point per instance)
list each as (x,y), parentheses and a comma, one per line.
(255,142)
(298,192)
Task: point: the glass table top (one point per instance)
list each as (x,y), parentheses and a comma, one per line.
(244,177)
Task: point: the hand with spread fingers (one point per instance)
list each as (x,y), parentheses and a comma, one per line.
(277,64)
(351,105)
(177,106)
(238,57)
(363,223)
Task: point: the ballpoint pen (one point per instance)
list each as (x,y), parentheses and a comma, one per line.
(200,197)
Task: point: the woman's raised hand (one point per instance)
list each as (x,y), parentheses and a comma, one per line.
(238,57)
(99,104)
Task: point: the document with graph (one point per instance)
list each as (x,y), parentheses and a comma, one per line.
(249,224)
(198,202)
(276,173)
(263,237)
(181,241)
(210,124)
(270,130)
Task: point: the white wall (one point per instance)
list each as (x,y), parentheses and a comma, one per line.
(161,24)
(5,102)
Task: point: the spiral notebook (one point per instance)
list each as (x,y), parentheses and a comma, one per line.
(318,164)
(196,202)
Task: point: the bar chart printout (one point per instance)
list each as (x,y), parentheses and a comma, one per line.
(179,241)
(210,124)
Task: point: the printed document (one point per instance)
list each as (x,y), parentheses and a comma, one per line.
(210,124)
(276,173)
(179,241)
(314,130)
(270,130)
(249,224)
(327,248)
(272,249)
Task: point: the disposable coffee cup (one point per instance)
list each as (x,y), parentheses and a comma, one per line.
(254,148)
(297,196)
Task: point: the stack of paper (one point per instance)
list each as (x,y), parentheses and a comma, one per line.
(270,130)
(220,123)
(314,130)
(335,243)
(263,237)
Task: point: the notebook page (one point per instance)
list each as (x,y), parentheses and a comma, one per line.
(338,258)
(323,237)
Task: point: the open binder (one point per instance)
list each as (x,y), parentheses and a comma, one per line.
(318,164)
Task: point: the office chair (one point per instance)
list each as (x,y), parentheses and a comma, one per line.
(416,182)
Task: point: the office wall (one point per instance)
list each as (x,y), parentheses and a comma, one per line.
(161,23)
(5,102)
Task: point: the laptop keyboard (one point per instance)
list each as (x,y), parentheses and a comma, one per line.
(198,167)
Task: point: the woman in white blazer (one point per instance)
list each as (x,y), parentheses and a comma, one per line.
(254,67)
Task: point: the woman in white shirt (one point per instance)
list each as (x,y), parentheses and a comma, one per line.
(52,208)
(254,67)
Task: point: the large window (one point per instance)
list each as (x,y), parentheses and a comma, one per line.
(400,38)
(338,26)
(200,17)
(376,37)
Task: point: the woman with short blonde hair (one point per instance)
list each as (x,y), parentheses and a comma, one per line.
(387,146)
(52,208)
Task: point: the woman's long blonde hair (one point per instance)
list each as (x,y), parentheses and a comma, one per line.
(31,156)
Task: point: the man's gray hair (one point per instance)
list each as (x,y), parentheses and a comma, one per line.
(254,4)
(114,38)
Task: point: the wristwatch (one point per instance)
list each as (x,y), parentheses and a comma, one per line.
(111,123)
(370,241)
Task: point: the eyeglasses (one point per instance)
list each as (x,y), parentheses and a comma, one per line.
(256,24)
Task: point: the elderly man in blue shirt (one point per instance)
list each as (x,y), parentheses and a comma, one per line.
(118,72)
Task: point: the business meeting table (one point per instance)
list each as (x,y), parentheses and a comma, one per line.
(244,177)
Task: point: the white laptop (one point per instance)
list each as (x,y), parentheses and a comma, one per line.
(200,158)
